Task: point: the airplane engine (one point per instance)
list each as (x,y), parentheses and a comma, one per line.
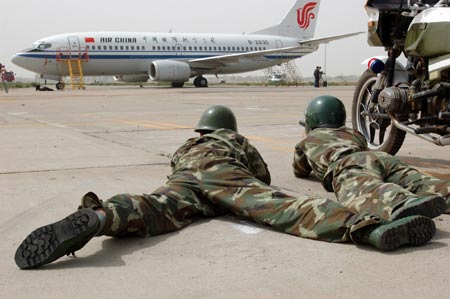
(131,78)
(169,71)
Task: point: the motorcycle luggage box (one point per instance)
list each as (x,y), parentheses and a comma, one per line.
(394,5)
(429,33)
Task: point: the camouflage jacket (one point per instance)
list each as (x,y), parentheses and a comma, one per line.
(220,146)
(324,146)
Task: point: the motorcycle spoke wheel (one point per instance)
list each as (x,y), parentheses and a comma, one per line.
(379,131)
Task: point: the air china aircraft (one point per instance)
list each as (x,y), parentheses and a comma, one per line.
(176,57)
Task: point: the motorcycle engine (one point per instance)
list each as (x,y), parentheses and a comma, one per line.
(393,99)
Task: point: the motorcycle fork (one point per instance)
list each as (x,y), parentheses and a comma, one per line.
(384,79)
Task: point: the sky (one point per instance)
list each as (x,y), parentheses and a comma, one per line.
(23,21)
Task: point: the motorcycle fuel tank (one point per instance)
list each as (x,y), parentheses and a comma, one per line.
(429,33)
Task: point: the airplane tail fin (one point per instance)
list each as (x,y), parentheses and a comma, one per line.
(300,22)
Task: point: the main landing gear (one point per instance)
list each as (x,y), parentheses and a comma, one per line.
(177,84)
(200,81)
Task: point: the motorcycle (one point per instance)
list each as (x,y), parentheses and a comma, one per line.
(393,98)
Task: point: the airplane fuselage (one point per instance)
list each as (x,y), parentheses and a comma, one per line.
(131,53)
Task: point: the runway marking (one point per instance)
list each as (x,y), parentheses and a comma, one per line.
(260,138)
(84,168)
(142,123)
(157,125)
(10,126)
(273,143)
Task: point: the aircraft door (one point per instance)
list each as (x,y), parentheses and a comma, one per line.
(179,50)
(74,44)
(279,44)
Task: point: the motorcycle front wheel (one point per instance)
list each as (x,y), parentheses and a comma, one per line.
(371,120)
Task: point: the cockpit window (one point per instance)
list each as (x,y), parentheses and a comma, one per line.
(41,45)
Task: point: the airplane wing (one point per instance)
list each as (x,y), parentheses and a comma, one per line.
(322,40)
(211,63)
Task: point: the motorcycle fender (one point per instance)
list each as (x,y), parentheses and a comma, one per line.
(437,65)
(400,73)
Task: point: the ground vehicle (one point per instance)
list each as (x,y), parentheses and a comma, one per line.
(278,79)
(9,76)
(412,98)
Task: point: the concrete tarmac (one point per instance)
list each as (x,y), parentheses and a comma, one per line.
(56,146)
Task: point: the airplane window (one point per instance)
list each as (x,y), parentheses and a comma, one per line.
(126,47)
(105,48)
(251,48)
(110,47)
(184,48)
(121,47)
(190,48)
(163,48)
(159,48)
(138,48)
(200,48)
(41,46)
(229,48)
(132,48)
(143,48)
(246,49)
(116,47)
(195,48)
(87,47)
(215,48)
(93,47)
(233,48)
(153,48)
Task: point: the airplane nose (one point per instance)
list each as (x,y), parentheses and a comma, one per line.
(15,59)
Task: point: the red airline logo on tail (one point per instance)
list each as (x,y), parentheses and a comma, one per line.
(305,14)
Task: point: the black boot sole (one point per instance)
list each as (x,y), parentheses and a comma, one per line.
(50,242)
(430,207)
(414,230)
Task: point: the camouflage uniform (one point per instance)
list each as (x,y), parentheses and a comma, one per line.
(365,181)
(218,173)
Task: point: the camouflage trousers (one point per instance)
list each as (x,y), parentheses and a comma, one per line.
(376,183)
(213,190)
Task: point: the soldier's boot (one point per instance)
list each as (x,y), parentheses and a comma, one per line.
(90,200)
(429,206)
(447,200)
(50,242)
(412,230)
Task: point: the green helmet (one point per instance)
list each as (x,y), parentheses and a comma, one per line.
(324,112)
(217,117)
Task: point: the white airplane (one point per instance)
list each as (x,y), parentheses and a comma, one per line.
(176,57)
